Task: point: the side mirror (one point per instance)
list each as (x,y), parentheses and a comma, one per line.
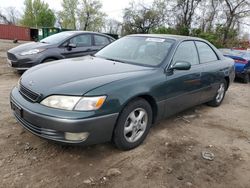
(180,65)
(70,46)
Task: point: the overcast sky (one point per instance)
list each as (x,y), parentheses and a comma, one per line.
(113,8)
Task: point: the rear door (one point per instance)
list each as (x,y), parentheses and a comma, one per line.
(183,87)
(212,71)
(83,46)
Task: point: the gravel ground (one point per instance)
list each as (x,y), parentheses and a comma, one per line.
(171,156)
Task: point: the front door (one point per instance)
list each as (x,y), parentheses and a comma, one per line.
(82,46)
(183,87)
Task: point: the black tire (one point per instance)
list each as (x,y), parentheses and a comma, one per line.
(246,78)
(217,102)
(48,60)
(120,138)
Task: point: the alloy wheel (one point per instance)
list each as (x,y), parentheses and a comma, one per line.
(135,125)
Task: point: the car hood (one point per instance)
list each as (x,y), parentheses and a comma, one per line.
(78,75)
(29,46)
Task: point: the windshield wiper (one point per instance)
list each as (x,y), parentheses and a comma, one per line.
(116,60)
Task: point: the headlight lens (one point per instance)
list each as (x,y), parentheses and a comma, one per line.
(74,103)
(90,103)
(61,102)
(31,52)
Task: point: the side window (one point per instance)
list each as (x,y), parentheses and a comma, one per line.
(81,40)
(101,40)
(186,52)
(206,53)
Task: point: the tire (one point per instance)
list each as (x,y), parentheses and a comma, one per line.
(133,124)
(246,78)
(48,60)
(220,94)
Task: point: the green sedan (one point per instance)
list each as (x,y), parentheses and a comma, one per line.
(117,94)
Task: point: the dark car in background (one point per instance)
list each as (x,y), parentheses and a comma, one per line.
(117,94)
(63,45)
(241,62)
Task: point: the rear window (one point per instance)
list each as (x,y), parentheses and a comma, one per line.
(101,40)
(206,53)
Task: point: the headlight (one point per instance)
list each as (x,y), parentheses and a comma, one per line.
(90,103)
(74,103)
(31,52)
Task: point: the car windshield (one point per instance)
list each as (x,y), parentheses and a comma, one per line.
(56,38)
(230,52)
(246,55)
(146,51)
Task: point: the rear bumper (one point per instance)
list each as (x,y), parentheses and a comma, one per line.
(241,70)
(100,129)
(242,73)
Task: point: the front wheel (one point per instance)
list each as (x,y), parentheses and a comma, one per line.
(220,94)
(133,124)
(48,60)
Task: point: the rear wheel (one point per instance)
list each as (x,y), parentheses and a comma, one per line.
(220,94)
(246,78)
(133,124)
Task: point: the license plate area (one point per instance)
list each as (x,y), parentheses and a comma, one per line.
(18,110)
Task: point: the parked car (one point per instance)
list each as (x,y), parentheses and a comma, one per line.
(120,92)
(62,45)
(241,61)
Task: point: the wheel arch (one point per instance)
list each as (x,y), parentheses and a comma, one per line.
(228,81)
(150,99)
(50,57)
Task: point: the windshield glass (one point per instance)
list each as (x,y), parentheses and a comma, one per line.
(147,51)
(56,38)
(246,55)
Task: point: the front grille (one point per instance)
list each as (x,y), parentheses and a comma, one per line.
(11,56)
(28,94)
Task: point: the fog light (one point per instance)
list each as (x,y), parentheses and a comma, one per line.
(76,136)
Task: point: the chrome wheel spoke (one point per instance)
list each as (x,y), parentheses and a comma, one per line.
(220,93)
(141,115)
(128,129)
(135,125)
(132,116)
(133,136)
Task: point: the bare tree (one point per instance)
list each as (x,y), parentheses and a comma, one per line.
(112,26)
(235,10)
(185,10)
(4,19)
(10,16)
(139,18)
(209,13)
(13,15)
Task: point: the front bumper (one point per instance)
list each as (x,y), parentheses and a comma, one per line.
(22,62)
(50,127)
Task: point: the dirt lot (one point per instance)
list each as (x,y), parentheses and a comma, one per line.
(170,156)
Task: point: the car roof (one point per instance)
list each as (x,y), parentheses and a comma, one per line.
(86,32)
(167,36)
